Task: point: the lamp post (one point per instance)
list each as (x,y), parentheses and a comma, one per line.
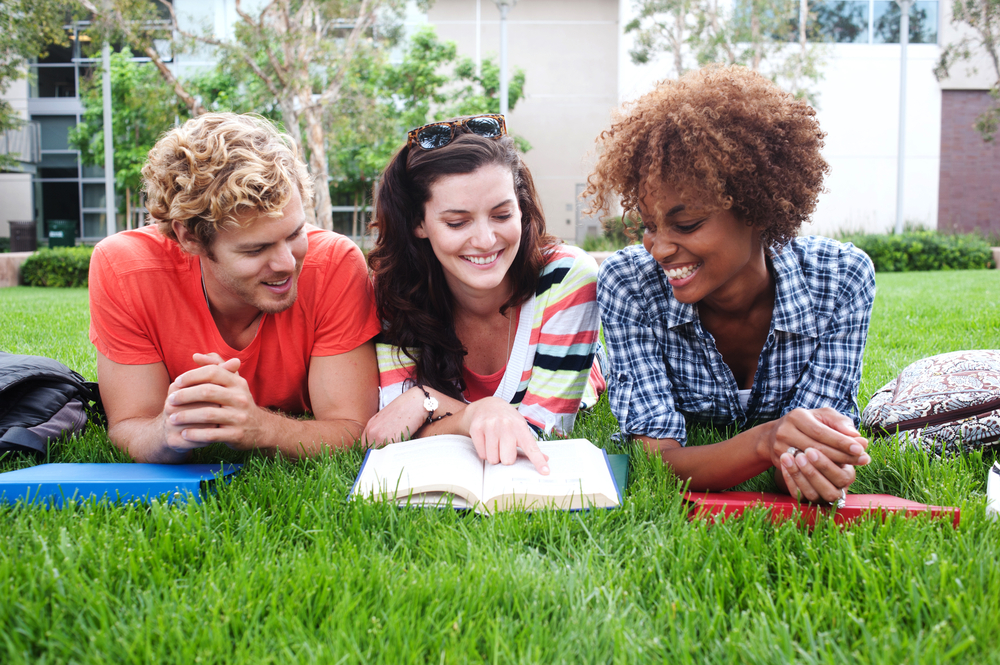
(504,6)
(904,39)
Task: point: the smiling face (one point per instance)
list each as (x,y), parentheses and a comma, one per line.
(473,223)
(705,254)
(258,263)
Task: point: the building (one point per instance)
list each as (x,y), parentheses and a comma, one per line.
(578,70)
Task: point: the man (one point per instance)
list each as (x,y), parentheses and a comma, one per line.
(229,311)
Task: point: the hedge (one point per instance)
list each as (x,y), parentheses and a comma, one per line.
(62,266)
(924,250)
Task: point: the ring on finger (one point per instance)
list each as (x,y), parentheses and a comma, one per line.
(793,451)
(842,501)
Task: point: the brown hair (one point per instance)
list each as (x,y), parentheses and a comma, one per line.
(722,137)
(215,168)
(411,294)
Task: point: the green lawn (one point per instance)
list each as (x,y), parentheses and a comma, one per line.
(279,567)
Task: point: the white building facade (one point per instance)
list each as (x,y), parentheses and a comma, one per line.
(576,58)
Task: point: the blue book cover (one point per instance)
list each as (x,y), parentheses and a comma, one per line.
(52,484)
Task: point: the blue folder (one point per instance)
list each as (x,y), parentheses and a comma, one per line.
(52,484)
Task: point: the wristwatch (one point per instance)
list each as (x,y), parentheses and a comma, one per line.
(431,405)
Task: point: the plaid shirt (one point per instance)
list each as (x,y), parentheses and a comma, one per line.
(666,372)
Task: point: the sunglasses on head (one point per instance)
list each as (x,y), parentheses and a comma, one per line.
(440,134)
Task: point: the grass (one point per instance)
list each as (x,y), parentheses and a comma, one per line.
(279,567)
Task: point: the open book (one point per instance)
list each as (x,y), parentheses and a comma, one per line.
(429,471)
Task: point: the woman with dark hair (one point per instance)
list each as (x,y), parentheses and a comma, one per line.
(489,323)
(723,315)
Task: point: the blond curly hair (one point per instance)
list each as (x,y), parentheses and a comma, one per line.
(723,138)
(212,170)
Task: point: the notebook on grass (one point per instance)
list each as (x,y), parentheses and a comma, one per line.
(430,471)
(784,507)
(54,483)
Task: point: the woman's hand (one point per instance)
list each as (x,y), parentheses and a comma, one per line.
(816,451)
(498,429)
(401,418)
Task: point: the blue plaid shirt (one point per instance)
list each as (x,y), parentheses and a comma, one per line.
(666,372)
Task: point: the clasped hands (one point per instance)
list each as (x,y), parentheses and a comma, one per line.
(816,451)
(496,428)
(208,404)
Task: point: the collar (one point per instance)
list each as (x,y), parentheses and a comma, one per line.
(793,305)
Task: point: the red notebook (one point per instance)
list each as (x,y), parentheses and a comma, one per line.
(784,507)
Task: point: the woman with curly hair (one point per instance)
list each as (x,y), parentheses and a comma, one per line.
(489,324)
(723,316)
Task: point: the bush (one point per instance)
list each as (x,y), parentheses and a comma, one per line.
(62,266)
(4,244)
(924,250)
(613,238)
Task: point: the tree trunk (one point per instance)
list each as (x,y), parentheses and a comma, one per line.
(354,217)
(317,165)
(679,39)
(128,208)
(755,35)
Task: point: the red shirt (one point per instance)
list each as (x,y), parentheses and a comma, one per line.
(147,306)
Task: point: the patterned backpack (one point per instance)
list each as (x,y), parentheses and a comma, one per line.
(945,404)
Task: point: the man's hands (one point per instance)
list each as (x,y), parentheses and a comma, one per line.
(208,404)
(154,420)
(496,428)
(816,451)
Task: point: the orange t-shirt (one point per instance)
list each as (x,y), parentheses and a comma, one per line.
(147,306)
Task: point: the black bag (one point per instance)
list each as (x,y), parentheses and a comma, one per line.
(40,400)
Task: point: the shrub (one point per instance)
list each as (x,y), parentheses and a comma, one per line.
(613,238)
(62,266)
(924,250)
(4,244)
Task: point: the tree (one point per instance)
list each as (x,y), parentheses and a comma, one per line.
(980,20)
(755,33)
(144,106)
(27,29)
(300,51)
(380,103)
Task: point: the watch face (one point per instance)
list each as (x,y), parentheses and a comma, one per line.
(430,405)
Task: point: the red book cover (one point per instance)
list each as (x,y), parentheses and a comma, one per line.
(784,507)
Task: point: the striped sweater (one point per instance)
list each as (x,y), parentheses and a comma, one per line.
(548,376)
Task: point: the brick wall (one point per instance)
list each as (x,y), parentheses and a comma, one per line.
(969,196)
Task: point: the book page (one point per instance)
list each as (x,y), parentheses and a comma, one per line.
(445,463)
(579,478)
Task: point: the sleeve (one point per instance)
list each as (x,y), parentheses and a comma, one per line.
(833,374)
(395,373)
(566,340)
(348,320)
(639,387)
(114,326)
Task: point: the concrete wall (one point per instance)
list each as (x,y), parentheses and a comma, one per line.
(15,188)
(569,54)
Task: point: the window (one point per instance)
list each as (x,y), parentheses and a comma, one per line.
(870,22)
(840,21)
(923,23)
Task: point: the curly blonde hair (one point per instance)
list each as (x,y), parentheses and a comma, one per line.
(213,169)
(723,138)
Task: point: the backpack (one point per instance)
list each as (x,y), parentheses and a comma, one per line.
(40,400)
(945,404)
